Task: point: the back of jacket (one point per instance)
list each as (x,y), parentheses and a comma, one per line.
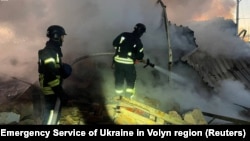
(128,46)
(49,65)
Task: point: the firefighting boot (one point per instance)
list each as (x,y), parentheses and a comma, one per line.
(127,95)
(132,97)
(130,93)
(119,93)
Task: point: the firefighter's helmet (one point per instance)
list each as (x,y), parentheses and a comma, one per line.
(55,32)
(140,28)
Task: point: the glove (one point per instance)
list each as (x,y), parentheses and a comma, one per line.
(66,70)
(137,61)
(58,90)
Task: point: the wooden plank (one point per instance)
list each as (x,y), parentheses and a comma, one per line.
(159,114)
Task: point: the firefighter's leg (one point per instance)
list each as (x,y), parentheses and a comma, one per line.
(119,79)
(130,79)
(130,93)
(50,101)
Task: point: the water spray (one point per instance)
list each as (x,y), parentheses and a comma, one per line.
(146,62)
(162,70)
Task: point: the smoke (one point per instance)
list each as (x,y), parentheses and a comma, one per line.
(91,27)
(217,37)
(183,12)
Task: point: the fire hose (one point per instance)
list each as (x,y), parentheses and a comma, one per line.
(146,62)
(91,55)
(55,111)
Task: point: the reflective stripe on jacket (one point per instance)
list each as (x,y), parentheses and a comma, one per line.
(123,60)
(50,68)
(128,48)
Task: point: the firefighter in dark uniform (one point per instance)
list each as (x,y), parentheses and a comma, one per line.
(52,72)
(128,51)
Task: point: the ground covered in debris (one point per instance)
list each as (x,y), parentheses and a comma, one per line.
(90,99)
(91,93)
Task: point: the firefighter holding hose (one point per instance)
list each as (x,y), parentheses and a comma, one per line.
(52,72)
(128,52)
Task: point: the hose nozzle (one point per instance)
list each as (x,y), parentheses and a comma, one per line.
(148,63)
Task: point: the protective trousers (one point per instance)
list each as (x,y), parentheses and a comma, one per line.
(50,103)
(125,73)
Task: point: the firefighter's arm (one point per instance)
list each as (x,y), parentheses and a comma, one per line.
(139,54)
(55,84)
(50,71)
(51,75)
(54,80)
(118,40)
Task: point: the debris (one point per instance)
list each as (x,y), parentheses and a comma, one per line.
(9,118)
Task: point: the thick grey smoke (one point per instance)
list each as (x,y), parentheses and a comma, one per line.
(91,27)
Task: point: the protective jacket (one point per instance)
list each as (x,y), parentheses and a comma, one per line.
(128,48)
(50,67)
